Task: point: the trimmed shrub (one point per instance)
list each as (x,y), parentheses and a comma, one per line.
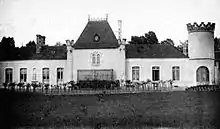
(98,84)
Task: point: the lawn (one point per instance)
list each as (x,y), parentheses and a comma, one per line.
(155,109)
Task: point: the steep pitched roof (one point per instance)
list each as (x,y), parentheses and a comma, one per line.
(153,51)
(101,29)
(51,53)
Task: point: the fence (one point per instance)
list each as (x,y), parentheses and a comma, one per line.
(124,88)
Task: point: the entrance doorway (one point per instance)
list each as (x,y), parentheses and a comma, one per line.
(202,75)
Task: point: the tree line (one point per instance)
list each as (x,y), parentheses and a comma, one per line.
(8,51)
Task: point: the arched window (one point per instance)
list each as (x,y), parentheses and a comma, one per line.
(8,75)
(46,75)
(93,59)
(155,73)
(34,76)
(59,75)
(176,73)
(23,75)
(202,75)
(96,58)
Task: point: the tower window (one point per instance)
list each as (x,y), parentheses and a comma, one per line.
(202,75)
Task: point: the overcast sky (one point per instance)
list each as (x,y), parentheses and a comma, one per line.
(59,20)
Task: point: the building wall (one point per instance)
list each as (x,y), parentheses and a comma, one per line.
(188,69)
(30,64)
(110,59)
(165,69)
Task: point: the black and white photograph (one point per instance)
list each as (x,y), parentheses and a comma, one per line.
(109,64)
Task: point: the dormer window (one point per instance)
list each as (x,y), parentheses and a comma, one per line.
(96,38)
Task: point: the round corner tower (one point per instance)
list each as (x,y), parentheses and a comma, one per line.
(201,40)
(201,52)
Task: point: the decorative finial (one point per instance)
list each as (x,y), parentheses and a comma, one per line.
(89,17)
(106,16)
(202,27)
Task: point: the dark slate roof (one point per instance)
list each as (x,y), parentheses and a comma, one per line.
(100,28)
(153,51)
(51,53)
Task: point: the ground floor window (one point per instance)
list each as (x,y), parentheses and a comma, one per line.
(135,73)
(23,75)
(176,73)
(155,73)
(8,75)
(59,75)
(202,75)
(34,77)
(46,75)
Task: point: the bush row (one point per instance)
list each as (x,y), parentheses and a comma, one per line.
(98,84)
(204,88)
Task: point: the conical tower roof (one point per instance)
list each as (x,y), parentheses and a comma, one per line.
(97,35)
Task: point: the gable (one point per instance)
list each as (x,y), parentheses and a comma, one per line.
(99,30)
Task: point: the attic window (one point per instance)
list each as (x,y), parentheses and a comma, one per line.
(96,38)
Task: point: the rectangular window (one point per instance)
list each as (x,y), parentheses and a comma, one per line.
(155,73)
(135,73)
(59,75)
(176,72)
(46,75)
(8,75)
(23,75)
(34,77)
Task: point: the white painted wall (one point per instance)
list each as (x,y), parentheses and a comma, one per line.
(110,59)
(195,64)
(201,45)
(30,64)
(165,69)
(187,69)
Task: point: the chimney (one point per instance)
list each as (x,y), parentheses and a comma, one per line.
(40,42)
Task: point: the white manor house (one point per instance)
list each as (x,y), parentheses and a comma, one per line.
(98,54)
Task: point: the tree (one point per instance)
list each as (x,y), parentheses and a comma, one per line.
(7,49)
(148,38)
(151,38)
(58,44)
(167,42)
(217,44)
(182,45)
(27,51)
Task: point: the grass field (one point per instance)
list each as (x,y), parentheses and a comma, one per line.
(159,109)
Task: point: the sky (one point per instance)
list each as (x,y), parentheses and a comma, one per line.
(60,20)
